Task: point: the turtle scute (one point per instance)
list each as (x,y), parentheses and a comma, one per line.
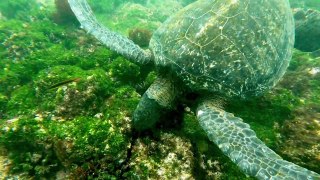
(233,47)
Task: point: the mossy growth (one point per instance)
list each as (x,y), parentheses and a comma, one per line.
(3,105)
(22,101)
(23,38)
(82,125)
(87,146)
(164,156)
(134,14)
(18,9)
(91,147)
(93,142)
(8,79)
(131,16)
(29,146)
(124,71)
(31,47)
(71,91)
(303,81)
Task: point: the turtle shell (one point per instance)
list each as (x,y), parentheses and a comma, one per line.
(232,47)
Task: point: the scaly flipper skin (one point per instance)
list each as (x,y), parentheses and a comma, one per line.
(241,145)
(157,100)
(112,40)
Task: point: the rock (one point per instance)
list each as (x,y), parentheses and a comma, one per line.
(167,158)
(307,29)
(299,134)
(3,163)
(316,53)
(300,137)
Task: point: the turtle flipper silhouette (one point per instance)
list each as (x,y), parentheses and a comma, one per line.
(221,48)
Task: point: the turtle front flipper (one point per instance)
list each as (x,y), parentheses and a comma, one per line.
(156,101)
(241,145)
(111,39)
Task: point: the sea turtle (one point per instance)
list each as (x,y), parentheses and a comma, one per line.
(227,48)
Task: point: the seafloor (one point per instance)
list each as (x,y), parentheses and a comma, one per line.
(66,103)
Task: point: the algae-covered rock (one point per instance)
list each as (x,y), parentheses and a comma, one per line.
(93,146)
(21,39)
(69,91)
(307,25)
(123,16)
(168,157)
(29,147)
(18,9)
(124,71)
(70,120)
(3,105)
(9,80)
(22,101)
(299,136)
(85,146)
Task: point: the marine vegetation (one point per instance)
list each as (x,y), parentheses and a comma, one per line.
(140,36)
(184,51)
(17,9)
(67,102)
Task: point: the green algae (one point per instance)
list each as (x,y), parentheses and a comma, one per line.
(26,140)
(83,145)
(122,17)
(17,9)
(303,82)
(124,71)
(78,141)
(21,101)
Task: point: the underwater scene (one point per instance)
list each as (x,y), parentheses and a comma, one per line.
(159,89)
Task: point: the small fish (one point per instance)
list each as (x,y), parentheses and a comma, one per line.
(64,82)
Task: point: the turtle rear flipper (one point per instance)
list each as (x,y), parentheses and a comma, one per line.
(112,40)
(241,145)
(157,100)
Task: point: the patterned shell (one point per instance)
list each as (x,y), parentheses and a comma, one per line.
(232,47)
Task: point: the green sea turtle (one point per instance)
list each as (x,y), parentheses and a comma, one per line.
(228,48)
